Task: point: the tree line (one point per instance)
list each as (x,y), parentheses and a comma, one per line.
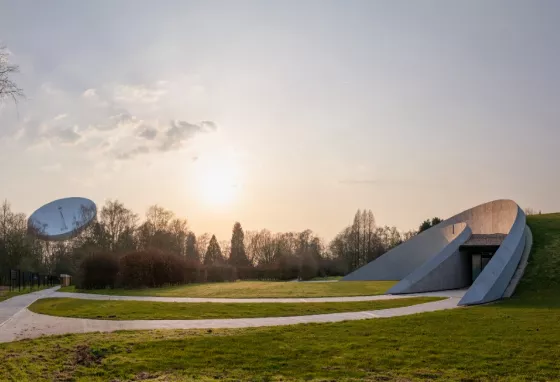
(118,230)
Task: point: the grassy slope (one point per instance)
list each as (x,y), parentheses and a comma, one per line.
(516,340)
(147,310)
(253,289)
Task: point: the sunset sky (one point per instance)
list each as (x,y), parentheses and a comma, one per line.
(283,115)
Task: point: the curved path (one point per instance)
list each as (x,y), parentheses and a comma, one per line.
(86,296)
(17,322)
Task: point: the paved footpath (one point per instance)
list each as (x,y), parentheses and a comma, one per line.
(17,322)
(86,296)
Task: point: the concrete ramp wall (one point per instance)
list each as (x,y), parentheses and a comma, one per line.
(449,269)
(397,263)
(432,261)
(492,282)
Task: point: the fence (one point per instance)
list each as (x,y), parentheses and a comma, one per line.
(18,280)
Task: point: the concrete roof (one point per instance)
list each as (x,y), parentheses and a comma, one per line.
(484,240)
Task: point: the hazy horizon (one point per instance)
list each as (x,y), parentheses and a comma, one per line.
(286,115)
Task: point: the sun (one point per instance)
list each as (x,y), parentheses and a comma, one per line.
(218,181)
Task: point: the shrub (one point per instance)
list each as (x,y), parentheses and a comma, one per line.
(333,267)
(246,273)
(154,268)
(218,273)
(98,271)
(308,268)
(288,267)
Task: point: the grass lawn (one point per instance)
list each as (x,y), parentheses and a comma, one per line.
(514,340)
(5,294)
(326,278)
(147,310)
(254,289)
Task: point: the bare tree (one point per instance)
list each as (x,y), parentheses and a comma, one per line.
(117,221)
(202,243)
(8,88)
(530,211)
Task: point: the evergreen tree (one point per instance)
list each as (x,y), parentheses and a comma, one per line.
(213,253)
(191,250)
(238,257)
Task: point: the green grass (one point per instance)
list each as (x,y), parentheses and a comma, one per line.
(514,340)
(254,289)
(326,278)
(5,294)
(147,310)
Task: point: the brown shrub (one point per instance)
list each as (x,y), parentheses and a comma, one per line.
(98,271)
(154,268)
(218,273)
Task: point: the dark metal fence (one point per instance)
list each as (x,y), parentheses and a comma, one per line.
(18,280)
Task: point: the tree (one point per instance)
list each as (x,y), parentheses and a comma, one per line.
(119,224)
(8,88)
(427,224)
(213,253)
(202,245)
(191,249)
(238,257)
(225,246)
(179,230)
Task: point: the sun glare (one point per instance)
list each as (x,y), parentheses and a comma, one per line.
(217,181)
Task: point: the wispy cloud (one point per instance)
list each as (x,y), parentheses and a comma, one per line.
(182,131)
(147,132)
(90,93)
(112,121)
(65,135)
(139,93)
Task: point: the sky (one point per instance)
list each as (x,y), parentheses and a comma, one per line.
(283,115)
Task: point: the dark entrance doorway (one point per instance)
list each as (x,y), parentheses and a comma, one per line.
(479,249)
(479,262)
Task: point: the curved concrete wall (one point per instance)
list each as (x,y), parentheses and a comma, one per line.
(432,260)
(444,271)
(492,282)
(397,263)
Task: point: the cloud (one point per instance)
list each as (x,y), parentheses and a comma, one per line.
(111,121)
(133,153)
(182,131)
(67,135)
(146,132)
(121,119)
(209,124)
(138,93)
(90,93)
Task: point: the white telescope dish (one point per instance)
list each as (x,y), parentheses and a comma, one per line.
(62,219)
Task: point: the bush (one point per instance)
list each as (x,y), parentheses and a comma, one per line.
(287,268)
(246,273)
(154,268)
(333,267)
(218,273)
(98,271)
(308,268)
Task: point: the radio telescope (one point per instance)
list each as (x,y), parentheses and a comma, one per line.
(62,219)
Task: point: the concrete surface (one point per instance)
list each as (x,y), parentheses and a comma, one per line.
(402,260)
(24,324)
(522,264)
(10,307)
(432,260)
(449,269)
